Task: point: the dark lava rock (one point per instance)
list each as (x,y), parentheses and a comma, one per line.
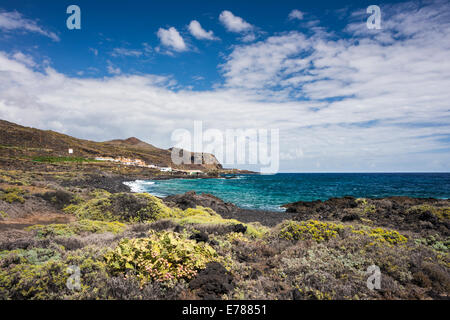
(213,242)
(350,217)
(296,295)
(58,199)
(106,181)
(128,206)
(226,209)
(212,282)
(399,212)
(429,217)
(192,200)
(331,205)
(199,237)
(238,228)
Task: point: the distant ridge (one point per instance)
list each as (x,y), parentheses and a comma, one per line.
(132,142)
(17,140)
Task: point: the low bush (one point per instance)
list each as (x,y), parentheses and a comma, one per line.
(12,195)
(59,198)
(122,207)
(435,243)
(163,257)
(311,229)
(381,235)
(43,274)
(207,217)
(77,228)
(443,213)
(143,207)
(324,231)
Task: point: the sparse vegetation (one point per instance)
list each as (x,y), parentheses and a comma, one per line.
(165,257)
(12,195)
(443,213)
(137,246)
(77,228)
(62,159)
(316,230)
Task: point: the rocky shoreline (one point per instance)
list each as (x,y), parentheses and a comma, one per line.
(390,211)
(52,218)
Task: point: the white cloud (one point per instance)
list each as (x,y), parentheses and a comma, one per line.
(234,23)
(249,37)
(24,58)
(113,70)
(367,102)
(198,32)
(171,38)
(10,21)
(296,14)
(292,154)
(370,94)
(118,52)
(94,51)
(198,78)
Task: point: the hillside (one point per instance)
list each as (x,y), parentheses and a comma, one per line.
(17,140)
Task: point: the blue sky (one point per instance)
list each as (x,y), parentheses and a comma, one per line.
(345,98)
(133,26)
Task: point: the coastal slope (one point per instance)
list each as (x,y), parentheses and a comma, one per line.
(19,141)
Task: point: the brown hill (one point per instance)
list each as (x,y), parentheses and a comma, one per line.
(135,142)
(17,140)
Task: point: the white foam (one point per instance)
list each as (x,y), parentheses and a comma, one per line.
(138,185)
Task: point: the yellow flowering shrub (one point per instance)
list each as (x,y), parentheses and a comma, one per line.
(381,235)
(311,229)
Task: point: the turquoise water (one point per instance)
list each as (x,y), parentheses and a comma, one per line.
(269,192)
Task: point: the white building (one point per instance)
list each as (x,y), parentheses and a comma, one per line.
(195,172)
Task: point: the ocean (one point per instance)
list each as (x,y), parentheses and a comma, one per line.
(269,192)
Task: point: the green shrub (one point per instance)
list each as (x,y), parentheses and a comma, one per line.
(164,257)
(28,281)
(12,195)
(443,213)
(366,207)
(124,207)
(433,242)
(311,229)
(383,236)
(323,231)
(32,256)
(71,208)
(143,207)
(207,216)
(42,274)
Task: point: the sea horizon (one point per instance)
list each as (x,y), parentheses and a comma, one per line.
(270,192)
